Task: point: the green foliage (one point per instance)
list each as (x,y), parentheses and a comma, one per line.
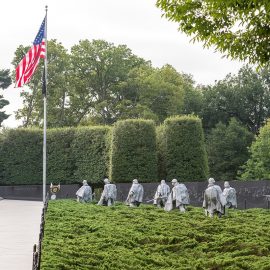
(193,98)
(245,96)
(134,151)
(185,150)
(161,152)
(160,91)
(99,72)
(72,155)
(90,151)
(100,83)
(60,161)
(87,236)
(58,107)
(21,156)
(228,149)
(5,81)
(239,29)
(258,166)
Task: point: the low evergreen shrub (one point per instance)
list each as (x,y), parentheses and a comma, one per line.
(87,236)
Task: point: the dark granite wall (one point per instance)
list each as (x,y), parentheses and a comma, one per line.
(248,192)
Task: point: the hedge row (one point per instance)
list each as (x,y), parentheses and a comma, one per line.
(161,151)
(185,152)
(72,155)
(90,149)
(60,160)
(134,149)
(21,156)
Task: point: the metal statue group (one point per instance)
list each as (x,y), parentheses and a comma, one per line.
(215,201)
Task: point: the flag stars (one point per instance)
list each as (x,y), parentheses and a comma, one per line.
(40,34)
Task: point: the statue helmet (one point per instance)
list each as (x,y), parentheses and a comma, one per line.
(211,180)
(226,184)
(106,181)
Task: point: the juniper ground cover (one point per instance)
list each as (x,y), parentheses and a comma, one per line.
(87,236)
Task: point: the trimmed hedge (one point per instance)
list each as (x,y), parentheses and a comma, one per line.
(134,151)
(60,162)
(90,150)
(72,155)
(161,152)
(21,156)
(186,157)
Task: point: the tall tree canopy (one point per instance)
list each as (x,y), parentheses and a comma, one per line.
(99,71)
(245,96)
(238,28)
(58,108)
(5,81)
(227,147)
(98,82)
(258,165)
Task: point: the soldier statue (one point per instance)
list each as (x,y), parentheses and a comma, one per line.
(230,195)
(161,195)
(178,198)
(135,195)
(109,193)
(84,193)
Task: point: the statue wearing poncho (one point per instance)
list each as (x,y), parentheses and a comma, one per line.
(178,197)
(230,195)
(161,195)
(135,195)
(109,193)
(214,200)
(84,194)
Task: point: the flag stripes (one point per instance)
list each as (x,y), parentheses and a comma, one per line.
(29,63)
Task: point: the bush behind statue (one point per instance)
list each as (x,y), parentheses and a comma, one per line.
(186,156)
(133,151)
(72,154)
(90,152)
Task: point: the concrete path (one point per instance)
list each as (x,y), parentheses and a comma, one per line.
(19,230)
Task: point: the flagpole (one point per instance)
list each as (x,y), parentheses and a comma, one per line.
(45,115)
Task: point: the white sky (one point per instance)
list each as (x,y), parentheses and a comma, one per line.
(136,23)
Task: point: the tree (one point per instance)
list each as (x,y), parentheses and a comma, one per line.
(157,92)
(227,147)
(5,82)
(99,71)
(57,105)
(100,83)
(238,28)
(245,96)
(258,165)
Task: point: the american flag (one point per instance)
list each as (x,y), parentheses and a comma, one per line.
(29,63)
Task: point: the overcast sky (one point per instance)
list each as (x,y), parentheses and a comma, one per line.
(136,23)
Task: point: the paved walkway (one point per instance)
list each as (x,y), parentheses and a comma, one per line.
(19,229)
